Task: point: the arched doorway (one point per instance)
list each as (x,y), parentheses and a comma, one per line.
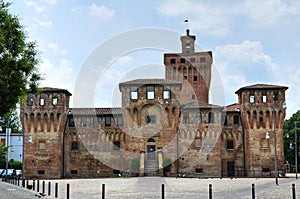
(151,148)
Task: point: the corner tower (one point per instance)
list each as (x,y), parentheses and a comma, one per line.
(262,109)
(191,68)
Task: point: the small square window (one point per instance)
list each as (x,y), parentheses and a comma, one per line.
(193,97)
(117,146)
(150,92)
(71,121)
(199,170)
(230,144)
(198,118)
(265,170)
(166,94)
(41,172)
(236,120)
(186,118)
(251,98)
(202,59)
(74,146)
(192,60)
(74,172)
(173,61)
(182,60)
(43,99)
(42,145)
(119,120)
(30,99)
(54,99)
(107,121)
(133,93)
(264,98)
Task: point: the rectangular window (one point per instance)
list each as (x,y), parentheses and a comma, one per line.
(192,60)
(198,118)
(74,146)
(41,172)
(236,120)
(195,78)
(107,121)
(71,121)
(251,98)
(151,119)
(182,60)
(43,99)
(83,121)
(119,120)
(30,99)
(265,170)
(198,144)
(173,61)
(230,144)
(202,59)
(264,98)
(117,146)
(95,121)
(211,117)
(225,120)
(134,93)
(150,92)
(193,97)
(185,118)
(199,170)
(166,94)
(54,99)
(74,172)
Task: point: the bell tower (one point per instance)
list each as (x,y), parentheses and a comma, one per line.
(191,68)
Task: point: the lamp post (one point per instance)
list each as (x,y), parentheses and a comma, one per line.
(7,144)
(275,144)
(296,150)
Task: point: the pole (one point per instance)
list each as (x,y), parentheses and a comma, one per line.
(296,151)
(275,148)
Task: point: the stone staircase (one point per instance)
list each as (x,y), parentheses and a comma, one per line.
(151,168)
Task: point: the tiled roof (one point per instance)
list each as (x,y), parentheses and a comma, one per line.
(232,107)
(261,86)
(200,105)
(95,111)
(139,82)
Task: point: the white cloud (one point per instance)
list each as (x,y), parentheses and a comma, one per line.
(51,2)
(45,24)
(31,3)
(101,12)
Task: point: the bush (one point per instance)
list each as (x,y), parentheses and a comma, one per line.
(135,165)
(167,164)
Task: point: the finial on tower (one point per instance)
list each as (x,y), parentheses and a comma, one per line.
(187,27)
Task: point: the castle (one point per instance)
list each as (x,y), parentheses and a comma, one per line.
(159,119)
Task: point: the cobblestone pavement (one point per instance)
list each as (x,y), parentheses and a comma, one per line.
(187,188)
(9,191)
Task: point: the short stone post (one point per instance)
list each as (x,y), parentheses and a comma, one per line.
(160,163)
(142,163)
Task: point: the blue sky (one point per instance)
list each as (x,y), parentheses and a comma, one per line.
(253,41)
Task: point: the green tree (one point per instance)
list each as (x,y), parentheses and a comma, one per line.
(289,137)
(3,151)
(11,120)
(18,60)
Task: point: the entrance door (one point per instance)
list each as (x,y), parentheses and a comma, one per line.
(230,169)
(151,155)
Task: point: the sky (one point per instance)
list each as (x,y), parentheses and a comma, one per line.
(89,46)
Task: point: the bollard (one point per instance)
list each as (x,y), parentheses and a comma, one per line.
(103,191)
(210,191)
(23,182)
(33,185)
(253,191)
(43,187)
(68,191)
(56,190)
(38,186)
(162,191)
(18,181)
(27,183)
(293,191)
(49,188)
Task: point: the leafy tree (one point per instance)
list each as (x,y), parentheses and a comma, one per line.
(289,137)
(18,60)
(3,151)
(11,120)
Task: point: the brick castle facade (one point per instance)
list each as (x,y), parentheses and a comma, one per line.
(159,118)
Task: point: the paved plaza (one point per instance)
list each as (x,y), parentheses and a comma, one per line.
(188,188)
